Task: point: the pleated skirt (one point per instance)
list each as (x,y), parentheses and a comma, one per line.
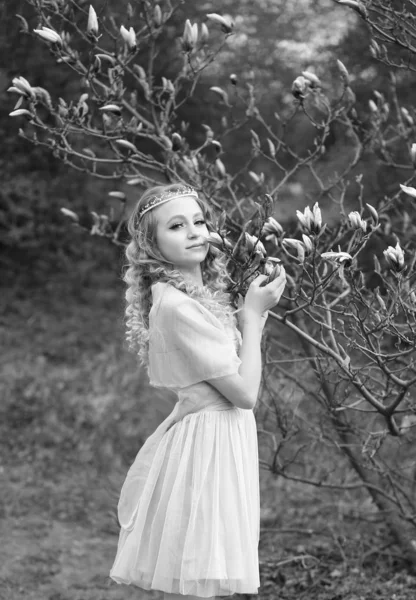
(195,529)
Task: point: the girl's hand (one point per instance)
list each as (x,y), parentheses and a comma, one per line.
(259,300)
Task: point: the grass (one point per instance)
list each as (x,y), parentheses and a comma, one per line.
(75,408)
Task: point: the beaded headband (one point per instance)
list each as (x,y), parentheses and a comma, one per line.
(165,196)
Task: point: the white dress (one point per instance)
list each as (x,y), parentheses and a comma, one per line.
(189,508)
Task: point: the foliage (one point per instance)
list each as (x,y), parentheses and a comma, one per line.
(351,296)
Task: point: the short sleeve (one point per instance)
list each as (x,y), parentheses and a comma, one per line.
(188,345)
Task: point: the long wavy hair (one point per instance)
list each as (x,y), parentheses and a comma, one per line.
(146,266)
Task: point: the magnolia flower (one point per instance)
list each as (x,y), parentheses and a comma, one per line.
(19,112)
(204,34)
(413,154)
(407,117)
(221,170)
(49,35)
(226,24)
(338,257)
(311,220)
(215,239)
(112,108)
(70,214)
(272,229)
(343,72)
(92,26)
(22,86)
(356,221)
(190,36)
(307,242)
(297,245)
(409,190)
(312,78)
(129,37)
(395,257)
(300,86)
(254,244)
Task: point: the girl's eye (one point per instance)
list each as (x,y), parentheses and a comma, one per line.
(177,224)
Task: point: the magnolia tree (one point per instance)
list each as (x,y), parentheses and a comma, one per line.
(348,347)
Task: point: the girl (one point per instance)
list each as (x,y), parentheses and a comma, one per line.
(189,508)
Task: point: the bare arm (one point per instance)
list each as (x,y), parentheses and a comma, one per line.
(242,389)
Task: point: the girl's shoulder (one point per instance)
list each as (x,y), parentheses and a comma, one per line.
(166,296)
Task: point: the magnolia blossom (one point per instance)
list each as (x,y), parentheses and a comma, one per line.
(271,230)
(311,220)
(409,190)
(395,257)
(338,257)
(300,86)
(413,154)
(49,35)
(307,242)
(22,86)
(70,214)
(19,112)
(190,36)
(92,21)
(297,245)
(226,23)
(215,239)
(356,221)
(254,244)
(129,36)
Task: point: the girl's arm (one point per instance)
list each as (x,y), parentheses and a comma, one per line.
(242,389)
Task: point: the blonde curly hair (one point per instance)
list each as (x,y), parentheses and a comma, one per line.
(146,266)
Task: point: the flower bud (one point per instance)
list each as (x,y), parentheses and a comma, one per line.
(129,37)
(408,190)
(190,36)
(19,112)
(70,214)
(307,242)
(297,245)
(373,106)
(345,76)
(413,154)
(272,148)
(254,244)
(395,257)
(356,221)
(299,87)
(357,6)
(373,212)
(111,108)
(271,228)
(226,24)
(23,87)
(157,15)
(338,257)
(407,117)
(92,26)
(49,35)
(311,220)
(312,78)
(204,34)
(220,167)
(126,144)
(222,93)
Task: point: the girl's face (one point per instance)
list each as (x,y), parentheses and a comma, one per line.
(180,225)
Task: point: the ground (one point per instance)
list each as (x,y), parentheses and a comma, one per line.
(74,412)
